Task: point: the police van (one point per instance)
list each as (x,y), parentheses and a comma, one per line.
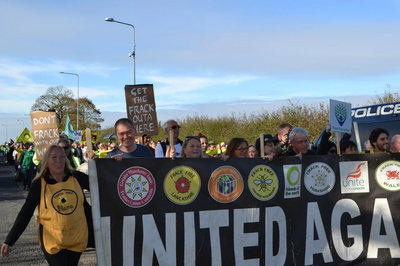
(385,115)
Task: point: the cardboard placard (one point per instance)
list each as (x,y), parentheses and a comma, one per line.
(44,131)
(141,108)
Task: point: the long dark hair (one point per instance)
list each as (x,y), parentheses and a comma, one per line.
(233,144)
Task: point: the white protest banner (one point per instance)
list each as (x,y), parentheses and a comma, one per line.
(340,116)
(141,108)
(44,130)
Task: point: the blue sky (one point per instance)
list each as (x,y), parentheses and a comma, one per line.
(206,57)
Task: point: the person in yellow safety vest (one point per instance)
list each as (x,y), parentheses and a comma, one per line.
(379,139)
(73,160)
(223,147)
(211,151)
(103,151)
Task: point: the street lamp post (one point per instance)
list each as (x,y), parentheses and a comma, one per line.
(132,53)
(77,100)
(6,131)
(23,124)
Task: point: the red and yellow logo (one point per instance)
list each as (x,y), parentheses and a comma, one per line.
(225,184)
(182,185)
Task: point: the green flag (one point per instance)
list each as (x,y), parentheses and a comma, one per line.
(69,131)
(25,136)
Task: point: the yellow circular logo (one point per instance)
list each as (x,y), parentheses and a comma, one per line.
(182,185)
(65,201)
(263,182)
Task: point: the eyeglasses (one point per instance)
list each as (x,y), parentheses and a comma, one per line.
(65,147)
(332,151)
(301,142)
(242,149)
(175,127)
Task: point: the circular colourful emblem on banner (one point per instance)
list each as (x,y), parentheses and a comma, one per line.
(136,186)
(182,185)
(225,184)
(387,175)
(293,175)
(263,182)
(319,178)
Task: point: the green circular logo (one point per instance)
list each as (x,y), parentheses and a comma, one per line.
(293,174)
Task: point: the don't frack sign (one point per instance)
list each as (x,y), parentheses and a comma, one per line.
(141,108)
(44,131)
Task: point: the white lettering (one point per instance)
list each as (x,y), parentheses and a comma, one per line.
(315,246)
(190,239)
(353,231)
(383,112)
(51,119)
(360,112)
(396,109)
(214,220)
(129,227)
(138,91)
(275,214)
(381,213)
(241,239)
(152,241)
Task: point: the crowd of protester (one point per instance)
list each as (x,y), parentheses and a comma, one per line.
(286,141)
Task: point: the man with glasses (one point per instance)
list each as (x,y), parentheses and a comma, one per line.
(298,139)
(65,144)
(125,132)
(161,148)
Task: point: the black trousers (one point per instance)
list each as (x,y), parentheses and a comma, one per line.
(63,258)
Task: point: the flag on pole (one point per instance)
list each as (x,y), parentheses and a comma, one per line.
(25,136)
(69,131)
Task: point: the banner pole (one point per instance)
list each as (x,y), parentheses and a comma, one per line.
(262,146)
(95,200)
(171,141)
(337,142)
(89,148)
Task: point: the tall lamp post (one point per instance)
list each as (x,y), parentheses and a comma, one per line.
(77,99)
(6,131)
(23,124)
(132,53)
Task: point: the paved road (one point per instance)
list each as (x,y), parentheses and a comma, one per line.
(26,251)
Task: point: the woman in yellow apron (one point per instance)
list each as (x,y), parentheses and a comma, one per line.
(63,226)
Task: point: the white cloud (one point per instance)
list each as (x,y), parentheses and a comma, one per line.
(173,85)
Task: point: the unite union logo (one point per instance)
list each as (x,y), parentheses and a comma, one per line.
(354,177)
